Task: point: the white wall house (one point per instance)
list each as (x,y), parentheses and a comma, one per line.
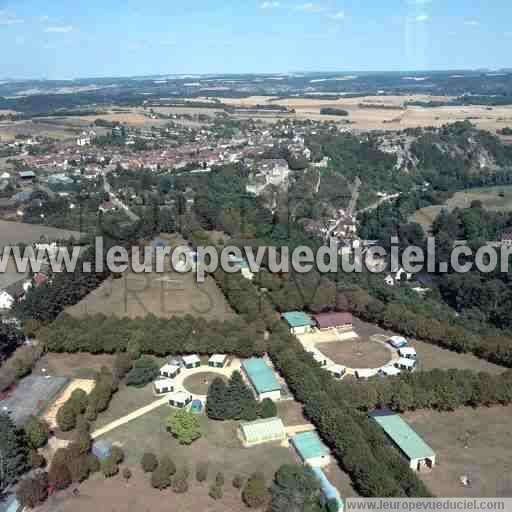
(6,300)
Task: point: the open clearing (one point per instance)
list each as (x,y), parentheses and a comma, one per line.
(9,130)
(199,383)
(73,366)
(164,294)
(498,199)
(472,442)
(12,233)
(356,354)
(431,356)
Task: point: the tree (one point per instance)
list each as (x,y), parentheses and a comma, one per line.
(268,408)
(123,363)
(201,471)
(185,426)
(78,400)
(117,454)
(109,467)
(241,403)
(37,432)
(149,462)
(255,493)
(215,492)
(66,417)
(219,479)
(59,476)
(144,371)
(79,468)
(127,474)
(13,450)
(217,400)
(93,463)
(36,460)
(180,482)
(33,491)
(83,440)
(295,489)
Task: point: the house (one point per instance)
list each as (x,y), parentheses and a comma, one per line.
(310,449)
(266,430)
(261,378)
(406,364)
(26,176)
(217,360)
(334,320)
(389,371)
(336,370)
(191,361)
(329,492)
(299,322)
(163,385)
(397,342)
(407,352)
(170,371)
(6,300)
(179,399)
(419,454)
(365,373)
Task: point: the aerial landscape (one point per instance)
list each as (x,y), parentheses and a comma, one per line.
(230,280)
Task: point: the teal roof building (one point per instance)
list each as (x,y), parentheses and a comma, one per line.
(297,319)
(310,449)
(261,377)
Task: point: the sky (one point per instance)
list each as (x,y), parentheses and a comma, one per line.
(63,39)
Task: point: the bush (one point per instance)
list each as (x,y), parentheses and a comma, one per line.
(117,454)
(149,462)
(219,479)
(59,476)
(180,482)
(238,482)
(161,476)
(66,417)
(255,493)
(184,425)
(109,468)
(215,492)
(82,440)
(93,463)
(78,400)
(79,468)
(37,432)
(201,471)
(144,371)
(123,363)
(127,474)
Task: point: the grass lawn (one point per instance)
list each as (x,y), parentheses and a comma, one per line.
(218,445)
(73,366)
(199,383)
(472,442)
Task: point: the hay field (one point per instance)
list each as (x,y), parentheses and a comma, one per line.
(9,130)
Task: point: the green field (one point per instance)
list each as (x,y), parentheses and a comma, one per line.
(498,199)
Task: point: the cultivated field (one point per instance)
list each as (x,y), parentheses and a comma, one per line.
(162,294)
(12,233)
(498,199)
(73,366)
(9,130)
(375,118)
(472,442)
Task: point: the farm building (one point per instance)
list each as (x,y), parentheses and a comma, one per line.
(329,492)
(179,399)
(163,385)
(299,322)
(217,360)
(397,342)
(318,356)
(334,320)
(101,449)
(310,449)
(336,370)
(418,453)
(170,371)
(406,364)
(407,352)
(262,378)
(261,431)
(191,361)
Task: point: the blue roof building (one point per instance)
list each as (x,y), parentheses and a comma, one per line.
(262,378)
(328,490)
(310,449)
(298,321)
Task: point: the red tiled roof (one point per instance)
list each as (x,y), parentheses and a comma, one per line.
(326,320)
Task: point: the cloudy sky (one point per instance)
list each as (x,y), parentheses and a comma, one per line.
(64,39)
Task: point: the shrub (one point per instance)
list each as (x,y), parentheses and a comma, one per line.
(149,462)
(117,454)
(238,482)
(184,425)
(37,432)
(202,471)
(78,400)
(79,468)
(66,417)
(127,474)
(109,468)
(94,463)
(268,408)
(219,479)
(82,440)
(215,492)
(123,363)
(180,482)
(254,493)
(161,476)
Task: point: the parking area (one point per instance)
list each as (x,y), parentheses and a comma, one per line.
(31,396)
